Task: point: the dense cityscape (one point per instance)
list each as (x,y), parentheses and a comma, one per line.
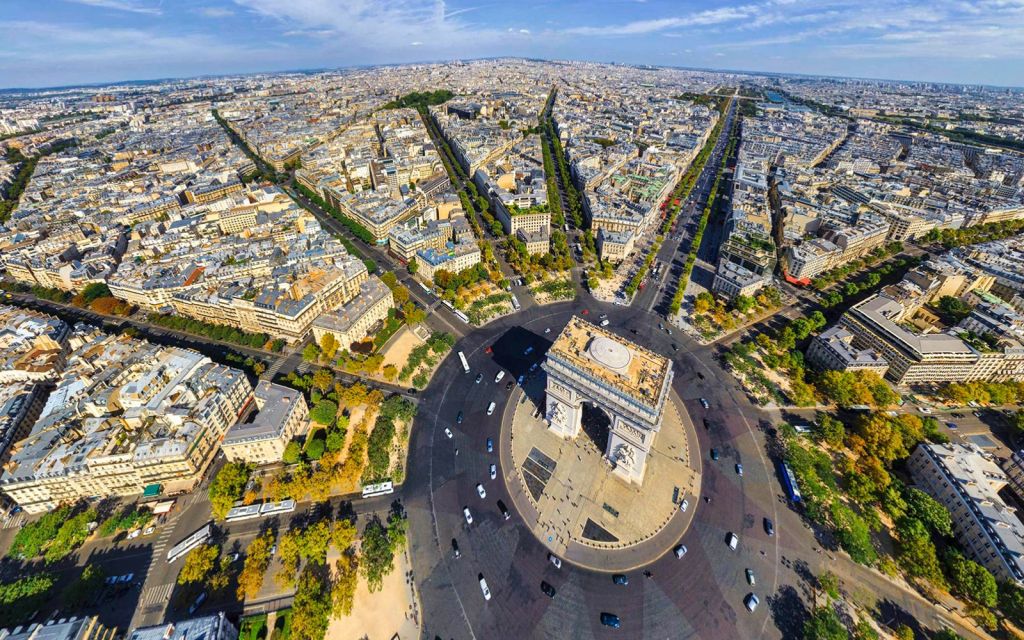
(511,348)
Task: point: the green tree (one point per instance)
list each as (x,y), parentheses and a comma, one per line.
(324,412)
(70,536)
(829,583)
(311,608)
(311,352)
(824,624)
(946,634)
(83,588)
(292,453)
(830,430)
(378,555)
(853,534)
(916,552)
(970,580)
(19,599)
(227,487)
(199,563)
(316,445)
(928,510)
(864,631)
(33,537)
(323,379)
(903,632)
(257,561)
(335,440)
(1011,602)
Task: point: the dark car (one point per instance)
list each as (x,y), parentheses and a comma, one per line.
(769,527)
(455,549)
(619,578)
(611,620)
(511,383)
(490,445)
(504,510)
(479,377)
(458,418)
(548,590)
(700,375)
(714,454)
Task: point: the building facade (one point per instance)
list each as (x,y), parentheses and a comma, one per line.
(283,415)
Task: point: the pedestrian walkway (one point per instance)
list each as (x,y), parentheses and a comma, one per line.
(15,521)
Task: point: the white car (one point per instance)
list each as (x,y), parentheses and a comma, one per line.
(480,491)
(604,323)
(704,403)
(494,471)
(149,531)
(733,540)
(497,378)
(680,551)
(484,589)
(468,515)
(750,577)
(555,560)
(547,330)
(490,408)
(751,602)
(925,410)
(135,534)
(684,505)
(448,432)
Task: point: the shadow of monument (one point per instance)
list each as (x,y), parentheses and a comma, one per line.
(596,425)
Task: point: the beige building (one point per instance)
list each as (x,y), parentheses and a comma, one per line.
(283,415)
(833,349)
(453,259)
(125,414)
(614,246)
(354,321)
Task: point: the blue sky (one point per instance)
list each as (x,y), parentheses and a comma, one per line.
(56,42)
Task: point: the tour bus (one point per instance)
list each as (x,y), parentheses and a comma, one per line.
(789,482)
(197,538)
(465,364)
(381,489)
(272,508)
(515,302)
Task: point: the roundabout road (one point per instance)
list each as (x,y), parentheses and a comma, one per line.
(700,596)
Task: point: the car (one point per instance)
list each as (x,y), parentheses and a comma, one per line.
(508,387)
(680,551)
(489,349)
(620,579)
(199,601)
(494,471)
(976,414)
(739,469)
(547,329)
(684,505)
(504,510)
(769,527)
(455,549)
(610,620)
(490,445)
(483,587)
(149,531)
(498,377)
(235,556)
(480,491)
(957,414)
(110,580)
(528,350)
(732,540)
(750,577)
(467,515)
(952,425)
(448,432)
(661,326)
(490,408)
(479,377)
(533,367)
(925,410)
(700,375)
(714,454)
(586,312)
(704,403)
(134,534)
(555,560)
(751,602)
(604,323)
(273,550)
(603,316)
(458,418)
(674,347)
(547,589)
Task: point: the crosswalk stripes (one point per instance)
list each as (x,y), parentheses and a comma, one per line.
(15,522)
(157,594)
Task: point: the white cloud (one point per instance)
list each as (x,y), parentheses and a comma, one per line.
(216,12)
(121,5)
(640,27)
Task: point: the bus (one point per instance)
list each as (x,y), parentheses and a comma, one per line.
(200,536)
(515,302)
(381,489)
(465,364)
(424,287)
(461,316)
(245,512)
(273,508)
(789,482)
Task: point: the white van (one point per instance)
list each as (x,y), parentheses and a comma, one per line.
(490,409)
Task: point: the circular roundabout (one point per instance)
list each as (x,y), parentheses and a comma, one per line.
(551,523)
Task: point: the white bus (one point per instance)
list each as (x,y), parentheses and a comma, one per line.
(382,489)
(190,543)
(515,302)
(272,508)
(244,512)
(461,316)
(465,365)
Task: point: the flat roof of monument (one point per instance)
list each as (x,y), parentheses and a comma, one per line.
(613,360)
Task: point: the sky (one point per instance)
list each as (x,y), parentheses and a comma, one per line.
(62,42)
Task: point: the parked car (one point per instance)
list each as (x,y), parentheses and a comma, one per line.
(750,577)
(739,469)
(490,408)
(732,540)
(547,589)
(480,491)
(680,551)
(769,527)
(498,377)
(504,511)
(490,445)
(555,560)
(610,620)
(494,471)
(466,514)
(483,587)
(198,603)
(149,531)
(479,377)
(714,454)
(448,432)
(684,505)
(458,418)
(620,579)
(751,602)
(704,403)
(455,549)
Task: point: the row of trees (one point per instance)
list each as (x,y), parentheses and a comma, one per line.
(55,535)
(219,332)
(824,280)
(867,282)
(698,166)
(557,165)
(713,316)
(395,409)
(950,238)
(350,225)
(22,597)
(420,99)
(997,393)
(427,354)
(22,175)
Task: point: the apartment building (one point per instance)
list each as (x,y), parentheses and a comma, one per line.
(967,482)
(833,349)
(405,241)
(73,628)
(214,627)
(282,416)
(614,246)
(356,320)
(453,259)
(125,414)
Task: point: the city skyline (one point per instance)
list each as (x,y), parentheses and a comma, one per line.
(70,42)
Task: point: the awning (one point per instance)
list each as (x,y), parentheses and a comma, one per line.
(162,507)
(151,491)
